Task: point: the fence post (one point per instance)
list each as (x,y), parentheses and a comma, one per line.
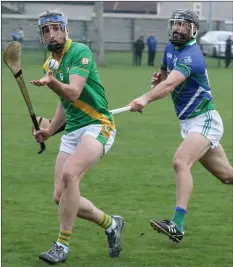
(133,39)
(85,31)
(100,33)
(219,57)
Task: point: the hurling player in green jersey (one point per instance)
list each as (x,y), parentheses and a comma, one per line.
(89,132)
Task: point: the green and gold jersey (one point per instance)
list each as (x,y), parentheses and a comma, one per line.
(91,107)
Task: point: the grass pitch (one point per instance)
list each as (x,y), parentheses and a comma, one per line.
(135,179)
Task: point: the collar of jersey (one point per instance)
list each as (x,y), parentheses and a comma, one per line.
(189,43)
(65,49)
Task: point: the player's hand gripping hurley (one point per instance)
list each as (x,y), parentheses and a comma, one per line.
(120,110)
(12,58)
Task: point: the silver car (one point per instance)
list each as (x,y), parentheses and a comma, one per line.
(213,43)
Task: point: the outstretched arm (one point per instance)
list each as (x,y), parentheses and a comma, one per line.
(80,67)
(161,90)
(164,88)
(70,91)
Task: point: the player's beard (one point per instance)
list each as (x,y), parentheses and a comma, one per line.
(56,44)
(179,36)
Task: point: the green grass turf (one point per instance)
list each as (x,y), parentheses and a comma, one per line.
(135,179)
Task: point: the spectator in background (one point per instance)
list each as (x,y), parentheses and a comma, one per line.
(21,35)
(134,53)
(139,46)
(228,51)
(152,45)
(14,35)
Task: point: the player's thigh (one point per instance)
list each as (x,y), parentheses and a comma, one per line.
(59,166)
(208,124)
(216,162)
(105,134)
(87,153)
(86,146)
(200,134)
(192,148)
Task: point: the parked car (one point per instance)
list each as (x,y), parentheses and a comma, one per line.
(213,43)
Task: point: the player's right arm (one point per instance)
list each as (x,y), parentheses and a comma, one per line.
(44,124)
(158,77)
(58,120)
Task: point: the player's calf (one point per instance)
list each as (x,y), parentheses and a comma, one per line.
(217,163)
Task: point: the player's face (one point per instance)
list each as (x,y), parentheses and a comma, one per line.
(180,30)
(52,34)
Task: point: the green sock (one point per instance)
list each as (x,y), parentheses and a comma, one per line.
(178,218)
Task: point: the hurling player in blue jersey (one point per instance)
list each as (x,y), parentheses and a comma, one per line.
(183,75)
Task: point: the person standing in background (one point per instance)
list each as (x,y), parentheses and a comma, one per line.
(21,35)
(14,35)
(139,46)
(152,45)
(228,51)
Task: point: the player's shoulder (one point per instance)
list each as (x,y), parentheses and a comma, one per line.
(169,50)
(46,64)
(193,49)
(192,53)
(79,47)
(193,57)
(169,46)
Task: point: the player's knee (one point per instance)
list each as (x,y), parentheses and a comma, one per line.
(226,180)
(227,177)
(69,177)
(179,164)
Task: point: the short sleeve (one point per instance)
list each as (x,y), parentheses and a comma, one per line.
(184,65)
(82,62)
